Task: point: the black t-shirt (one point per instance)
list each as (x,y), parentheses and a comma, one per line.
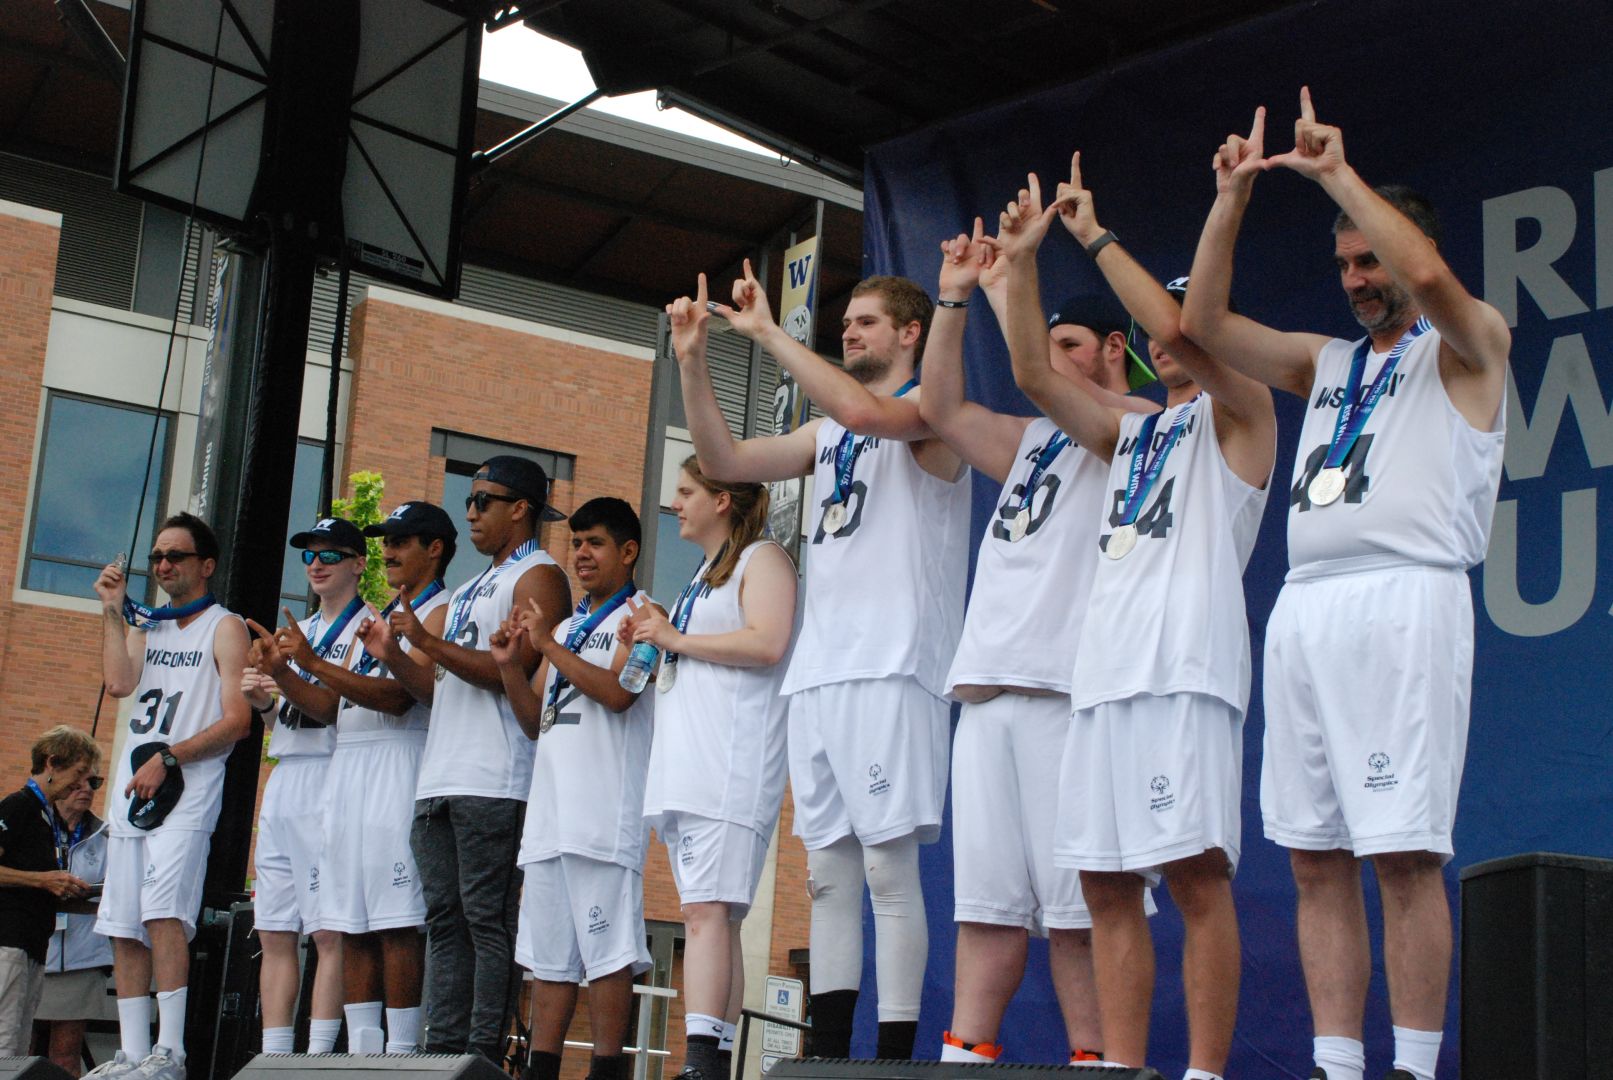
(27,842)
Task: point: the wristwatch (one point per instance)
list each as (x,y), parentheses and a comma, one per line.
(169,761)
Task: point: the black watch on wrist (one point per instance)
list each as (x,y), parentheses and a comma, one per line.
(169,761)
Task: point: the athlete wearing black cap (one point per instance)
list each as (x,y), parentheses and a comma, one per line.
(477,765)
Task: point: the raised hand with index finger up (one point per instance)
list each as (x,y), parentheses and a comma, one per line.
(265,652)
(1318,148)
(963,258)
(750,314)
(1075,207)
(1239,160)
(1023,223)
(688,318)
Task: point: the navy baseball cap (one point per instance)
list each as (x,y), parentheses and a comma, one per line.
(1103,315)
(426,520)
(147,814)
(525,478)
(333,530)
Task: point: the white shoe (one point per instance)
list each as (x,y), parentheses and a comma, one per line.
(160,1065)
(120,1065)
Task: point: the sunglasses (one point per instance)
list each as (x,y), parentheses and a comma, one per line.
(483,499)
(172,558)
(95,782)
(326,558)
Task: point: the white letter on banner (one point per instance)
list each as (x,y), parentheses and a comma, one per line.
(1602,184)
(1570,377)
(1505,266)
(1576,581)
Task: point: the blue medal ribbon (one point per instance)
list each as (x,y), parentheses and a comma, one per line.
(461,610)
(141,617)
(1044,461)
(683,607)
(327,642)
(55,823)
(366,662)
(578,634)
(1142,474)
(1353,413)
(850,449)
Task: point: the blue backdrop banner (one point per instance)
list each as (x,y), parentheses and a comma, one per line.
(1499,113)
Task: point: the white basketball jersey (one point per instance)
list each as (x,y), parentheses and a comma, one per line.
(587,795)
(1420,480)
(356,724)
(884,594)
(291,737)
(474,745)
(178,697)
(1030,596)
(719,732)
(1169,617)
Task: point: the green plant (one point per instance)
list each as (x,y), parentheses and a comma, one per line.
(363,508)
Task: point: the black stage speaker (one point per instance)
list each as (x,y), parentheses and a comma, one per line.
(381,1066)
(31,1068)
(1537,968)
(852,1069)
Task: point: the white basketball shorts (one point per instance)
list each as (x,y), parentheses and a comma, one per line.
(370,881)
(868,758)
(155,876)
(1148,780)
(291,836)
(581,918)
(714,861)
(1368,677)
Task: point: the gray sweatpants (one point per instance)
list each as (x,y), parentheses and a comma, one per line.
(465,847)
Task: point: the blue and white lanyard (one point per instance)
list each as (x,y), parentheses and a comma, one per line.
(578,634)
(1353,414)
(366,662)
(1144,471)
(1044,461)
(141,617)
(461,611)
(850,449)
(328,641)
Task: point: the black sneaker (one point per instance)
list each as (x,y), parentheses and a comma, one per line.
(1318,1073)
(1398,1074)
(691,1072)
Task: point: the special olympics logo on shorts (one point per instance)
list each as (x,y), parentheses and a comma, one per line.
(400,875)
(687,855)
(151,874)
(597,923)
(397,867)
(1162,799)
(595,912)
(876,773)
(1160,784)
(313,879)
(1379,778)
(1378,762)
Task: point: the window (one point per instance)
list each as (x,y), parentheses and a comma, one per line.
(304,512)
(93,459)
(464,454)
(676,559)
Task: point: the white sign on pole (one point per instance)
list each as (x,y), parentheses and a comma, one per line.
(784,999)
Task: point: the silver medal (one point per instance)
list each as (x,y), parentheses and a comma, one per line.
(834,518)
(441,673)
(1327,487)
(1121,541)
(665,675)
(1019,525)
(550,715)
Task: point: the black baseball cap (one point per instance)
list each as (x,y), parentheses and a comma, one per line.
(333,530)
(425,520)
(147,814)
(525,478)
(1103,315)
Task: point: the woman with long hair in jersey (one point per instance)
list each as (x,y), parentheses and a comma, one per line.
(717,765)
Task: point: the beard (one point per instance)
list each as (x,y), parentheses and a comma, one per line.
(868,368)
(1395,307)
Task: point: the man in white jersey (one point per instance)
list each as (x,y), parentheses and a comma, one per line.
(1151,780)
(1369,652)
(292,819)
(182,662)
(369,886)
(477,768)
(1012,668)
(582,850)
(886,564)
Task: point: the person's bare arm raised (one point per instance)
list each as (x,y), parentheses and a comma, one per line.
(723,457)
(123,648)
(1284,361)
(1475,341)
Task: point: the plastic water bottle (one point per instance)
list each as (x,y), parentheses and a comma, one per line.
(640,665)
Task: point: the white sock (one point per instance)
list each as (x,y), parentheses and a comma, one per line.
(1417,1051)
(1200,1074)
(1343,1059)
(364,1034)
(963,1053)
(322,1035)
(725,1041)
(171,1021)
(701,1024)
(279,1040)
(403,1030)
(134,1027)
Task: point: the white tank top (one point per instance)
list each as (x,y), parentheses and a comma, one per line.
(291,739)
(884,595)
(1169,617)
(587,794)
(474,745)
(1421,481)
(719,732)
(178,697)
(1030,596)
(356,724)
